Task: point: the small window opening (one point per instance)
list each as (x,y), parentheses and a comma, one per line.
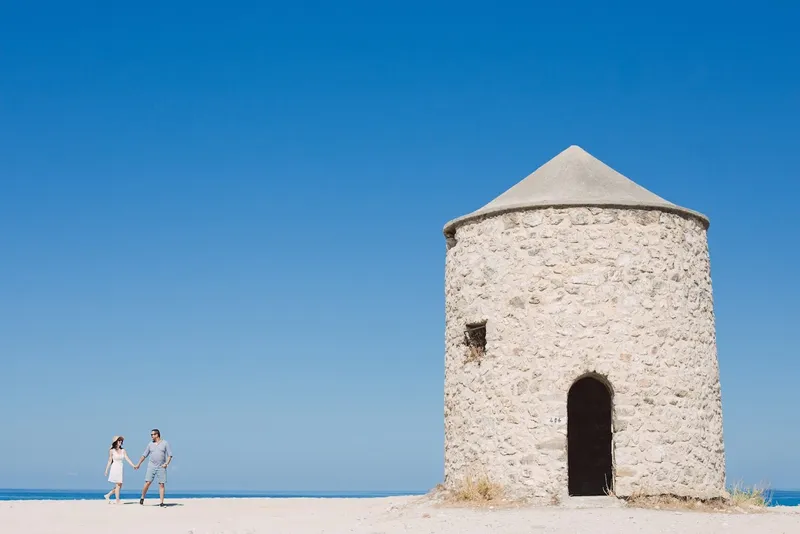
(475,340)
(450,239)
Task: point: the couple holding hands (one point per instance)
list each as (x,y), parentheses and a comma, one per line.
(160,454)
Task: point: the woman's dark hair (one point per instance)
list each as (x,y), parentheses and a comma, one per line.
(117,442)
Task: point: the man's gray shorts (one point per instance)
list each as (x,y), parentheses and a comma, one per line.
(155,472)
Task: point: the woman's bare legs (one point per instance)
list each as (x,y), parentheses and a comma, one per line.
(116,490)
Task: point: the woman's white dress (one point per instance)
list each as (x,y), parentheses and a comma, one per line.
(115,473)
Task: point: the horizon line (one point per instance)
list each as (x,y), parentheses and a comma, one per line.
(220,490)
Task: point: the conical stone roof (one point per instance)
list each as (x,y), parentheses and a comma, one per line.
(574,178)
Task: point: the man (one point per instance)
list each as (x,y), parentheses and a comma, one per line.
(160,455)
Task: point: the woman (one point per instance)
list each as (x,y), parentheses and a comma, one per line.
(115,456)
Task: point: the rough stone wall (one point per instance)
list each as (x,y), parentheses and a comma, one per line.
(625,294)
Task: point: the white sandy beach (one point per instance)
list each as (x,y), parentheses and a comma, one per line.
(367,516)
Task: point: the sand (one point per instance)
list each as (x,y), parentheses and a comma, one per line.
(367,516)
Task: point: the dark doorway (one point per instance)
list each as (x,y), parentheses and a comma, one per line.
(589,437)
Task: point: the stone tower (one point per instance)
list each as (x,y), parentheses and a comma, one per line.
(580,342)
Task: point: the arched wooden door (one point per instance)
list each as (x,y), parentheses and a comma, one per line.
(589,438)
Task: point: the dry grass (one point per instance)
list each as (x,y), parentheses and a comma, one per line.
(742,499)
(674,502)
(478,490)
(749,497)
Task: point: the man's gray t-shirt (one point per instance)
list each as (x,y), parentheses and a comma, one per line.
(158,452)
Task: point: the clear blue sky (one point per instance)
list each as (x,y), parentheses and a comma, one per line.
(225,221)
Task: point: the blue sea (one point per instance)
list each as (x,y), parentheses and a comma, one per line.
(775,497)
(783,498)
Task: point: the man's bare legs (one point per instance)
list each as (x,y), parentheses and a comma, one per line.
(144,490)
(147,487)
